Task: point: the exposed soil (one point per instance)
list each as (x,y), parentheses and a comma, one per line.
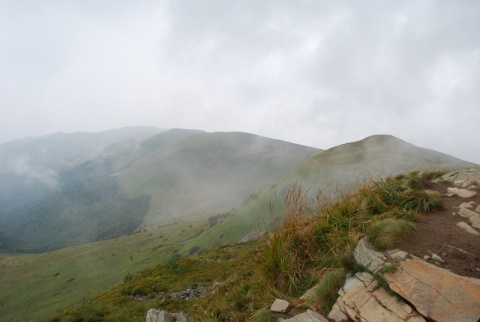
(437,233)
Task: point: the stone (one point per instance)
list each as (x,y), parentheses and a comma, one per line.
(366,256)
(308,316)
(426,257)
(337,315)
(466,205)
(279,306)
(310,293)
(364,301)
(475,220)
(252,236)
(463,193)
(154,315)
(459,182)
(477,209)
(182,317)
(466,184)
(437,258)
(436,293)
(467,213)
(467,228)
(397,254)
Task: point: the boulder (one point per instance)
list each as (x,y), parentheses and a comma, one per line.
(279,306)
(436,293)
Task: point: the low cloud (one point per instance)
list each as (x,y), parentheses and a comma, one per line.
(22,166)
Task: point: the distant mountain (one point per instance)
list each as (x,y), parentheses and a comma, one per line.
(189,172)
(113,190)
(332,173)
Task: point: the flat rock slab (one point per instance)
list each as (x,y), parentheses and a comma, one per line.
(309,316)
(467,228)
(436,293)
(279,306)
(467,213)
(466,204)
(463,193)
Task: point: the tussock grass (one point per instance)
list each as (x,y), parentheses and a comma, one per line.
(387,233)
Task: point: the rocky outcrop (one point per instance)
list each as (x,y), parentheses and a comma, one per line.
(422,291)
(436,293)
(194,291)
(361,299)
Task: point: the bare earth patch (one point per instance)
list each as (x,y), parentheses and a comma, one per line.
(437,233)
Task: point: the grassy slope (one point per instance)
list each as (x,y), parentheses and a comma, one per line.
(207,172)
(233,227)
(312,246)
(334,173)
(32,289)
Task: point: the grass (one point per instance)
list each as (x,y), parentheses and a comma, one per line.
(387,233)
(327,292)
(37,286)
(312,244)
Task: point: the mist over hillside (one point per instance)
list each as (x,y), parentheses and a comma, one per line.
(128,178)
(32,167)
(329,175)
(63,191)
(196,172)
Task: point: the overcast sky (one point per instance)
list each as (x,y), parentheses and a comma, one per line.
(319,73)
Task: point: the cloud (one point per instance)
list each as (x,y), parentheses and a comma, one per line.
(22,166)
(318,73)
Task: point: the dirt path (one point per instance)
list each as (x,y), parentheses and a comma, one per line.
(437,233)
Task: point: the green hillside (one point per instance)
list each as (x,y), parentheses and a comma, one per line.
(189,173)
(37,286)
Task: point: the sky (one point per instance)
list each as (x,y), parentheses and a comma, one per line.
(318,73)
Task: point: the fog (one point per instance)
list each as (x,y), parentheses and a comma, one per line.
(315,73)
